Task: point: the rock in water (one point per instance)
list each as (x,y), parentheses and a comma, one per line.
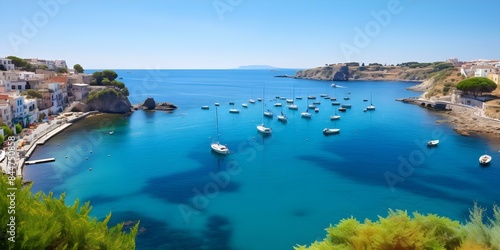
(149,103)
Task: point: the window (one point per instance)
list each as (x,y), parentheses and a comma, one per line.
(18,86)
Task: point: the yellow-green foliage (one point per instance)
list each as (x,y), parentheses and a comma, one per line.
(400,231)
(45,222)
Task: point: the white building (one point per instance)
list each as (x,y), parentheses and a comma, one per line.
(7,63)
(4,86)
(482,72)
(30,107)
(60,64)
(56,97)
(5,112)
(80,91)
(24,75)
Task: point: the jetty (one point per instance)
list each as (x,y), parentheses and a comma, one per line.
(440,105)
(39,161)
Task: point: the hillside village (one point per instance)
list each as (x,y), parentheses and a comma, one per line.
(43,92)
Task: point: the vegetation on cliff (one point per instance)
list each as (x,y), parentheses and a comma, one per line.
(400,231)
(44,222)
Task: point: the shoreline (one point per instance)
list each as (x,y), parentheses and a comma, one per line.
(42,134)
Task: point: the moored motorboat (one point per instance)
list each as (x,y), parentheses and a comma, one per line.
(259,99)
(317,102)
(268,113)
(111,132)
(330,131)
(433,143)
(205,107)
(251,101)
(316,110)
(335,117)
(244,105)
(485,159)
(346,106)
(342,109)
(289,100)
(311,106)
(278,104)
(311,97)
(335,103)
(298,97)
(217,104)
(293,107)
(233,111)
(231,103)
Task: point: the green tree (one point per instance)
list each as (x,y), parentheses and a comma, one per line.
(29,67)
(105,81)
(62,70)
(6,130)
(477,85)
(98,77)
(1,140)
(110,74)
(19,128)
(44,67)
(18,62)
(46,222)
(33,93)
(78,68)
(120,85)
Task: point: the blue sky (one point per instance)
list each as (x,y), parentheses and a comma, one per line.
(212,34)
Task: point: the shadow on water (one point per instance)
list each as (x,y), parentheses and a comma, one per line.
(180,188)
(427,186)
(156,234)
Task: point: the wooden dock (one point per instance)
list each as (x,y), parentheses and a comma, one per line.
(39,161)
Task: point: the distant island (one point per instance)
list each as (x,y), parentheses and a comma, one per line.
(257,67)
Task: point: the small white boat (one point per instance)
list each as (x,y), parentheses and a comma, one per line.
(333,85)
(346,106)
(268,113)
(326,97)
(205,107)
(311,97)
(316,110)
(342,109)
(219,148)
(251,101)
(259,99)
(277,104)
(335,117)
(293,107)
(244,105)
(305,114)
(432,142)
(485,159)
(317,102)
(347,98)
(323,95)
(330,131)
(235,111)
(311,106)
(333,98)
(335,103)
(282,117)
(371,107)
(289,100)
(298,97)
(217,104)
(263,129)
(111,132)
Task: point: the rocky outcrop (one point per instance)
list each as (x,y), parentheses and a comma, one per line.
(333,72)
(80,107)
(150,104)
(109,101)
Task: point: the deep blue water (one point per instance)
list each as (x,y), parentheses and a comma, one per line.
(273,192)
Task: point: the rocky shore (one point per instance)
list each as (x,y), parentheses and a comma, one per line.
(469,121)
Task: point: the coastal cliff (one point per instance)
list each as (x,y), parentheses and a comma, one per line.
(109,101)
(337,72)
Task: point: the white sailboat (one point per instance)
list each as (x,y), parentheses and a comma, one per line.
(370,107)
(262,128)
(216,146)
(282,117)
(292,106)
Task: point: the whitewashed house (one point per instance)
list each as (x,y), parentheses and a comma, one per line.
(7,64)
(80,91)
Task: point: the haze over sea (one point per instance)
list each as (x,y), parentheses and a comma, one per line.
(272,192)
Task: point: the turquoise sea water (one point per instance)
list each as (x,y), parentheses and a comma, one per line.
(272,192)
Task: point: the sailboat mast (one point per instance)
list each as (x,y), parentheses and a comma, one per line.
(217,124)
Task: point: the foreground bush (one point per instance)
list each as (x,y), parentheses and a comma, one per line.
(400,231)
(45,222)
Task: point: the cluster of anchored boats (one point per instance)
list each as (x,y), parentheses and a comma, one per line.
(483,159)
(265,130)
